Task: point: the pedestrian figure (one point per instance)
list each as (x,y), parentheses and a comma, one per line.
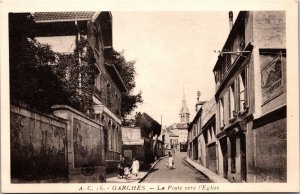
(126,172)
(135,167)
(120,171)
(170,161)
(122,161)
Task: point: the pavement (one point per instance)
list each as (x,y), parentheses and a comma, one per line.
(183,172)
(113,177)
(210,174)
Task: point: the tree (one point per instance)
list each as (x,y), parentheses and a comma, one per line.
(41,78)
(127,73)
(77,73)
(31,79)
(147,124)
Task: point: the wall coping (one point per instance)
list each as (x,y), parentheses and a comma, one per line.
(111,114)
(51,116)
(68,108)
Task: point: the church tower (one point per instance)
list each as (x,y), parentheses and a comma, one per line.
(184,111)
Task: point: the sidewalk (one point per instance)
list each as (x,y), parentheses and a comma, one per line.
(210,174)
(113,177)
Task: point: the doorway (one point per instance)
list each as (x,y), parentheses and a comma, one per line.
(243,158)
(223,143)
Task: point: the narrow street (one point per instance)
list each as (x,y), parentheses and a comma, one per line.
(182,173)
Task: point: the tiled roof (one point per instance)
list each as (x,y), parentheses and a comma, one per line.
(208,110)
(181,126)
(171,132)
(63,16)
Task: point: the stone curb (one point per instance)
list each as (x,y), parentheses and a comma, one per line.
(211,175)
(154,164)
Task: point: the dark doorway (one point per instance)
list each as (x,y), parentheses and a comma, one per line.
(195,146)
(243,157)
(223,143)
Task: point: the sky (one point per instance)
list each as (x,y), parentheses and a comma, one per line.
(174,52)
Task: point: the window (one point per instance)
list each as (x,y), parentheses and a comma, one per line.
(209,138)
(232,101)
(213,133)
(243,101)
(97,34)
(241,37)
(205,134)
(106,138)
(111,137)
(109,103)
(221,112)
(194,130)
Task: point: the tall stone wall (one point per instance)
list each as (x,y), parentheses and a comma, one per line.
(38,146)
(267,157)
(85,141)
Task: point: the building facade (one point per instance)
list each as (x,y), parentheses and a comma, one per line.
(202,136)
(61,30)
(250,76)
(176,135)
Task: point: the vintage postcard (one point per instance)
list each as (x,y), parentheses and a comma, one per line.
(149,96)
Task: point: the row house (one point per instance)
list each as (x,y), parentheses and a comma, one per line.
(61,30)
(250,76)
(176,135)
(171,139)
(202,144)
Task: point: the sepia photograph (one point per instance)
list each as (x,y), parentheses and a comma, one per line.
(113,100)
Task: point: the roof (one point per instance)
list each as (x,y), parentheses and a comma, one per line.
(171,132)
(208,110)
(235,27)
(205,112)
(181,126)
(63,16)
(116,76)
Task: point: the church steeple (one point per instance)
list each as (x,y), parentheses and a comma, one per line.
(184,111)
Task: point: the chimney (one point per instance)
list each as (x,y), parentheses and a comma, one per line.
(230,20)
(199,103)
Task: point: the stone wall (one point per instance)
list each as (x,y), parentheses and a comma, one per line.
(85,142)
(38,146)
(268,159)
(269,29)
